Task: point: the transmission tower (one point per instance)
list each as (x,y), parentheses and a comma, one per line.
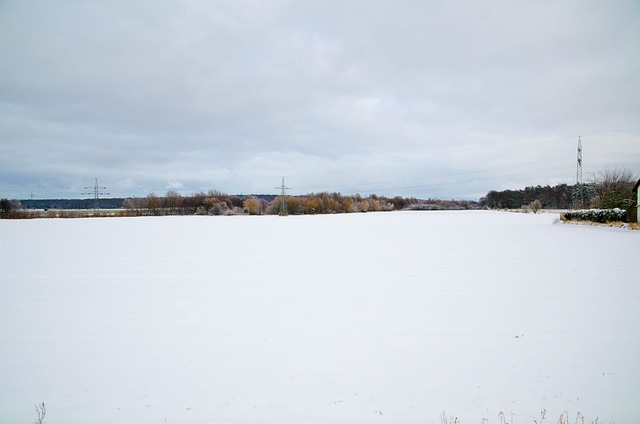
(283,198)
(579,184)
(96,193)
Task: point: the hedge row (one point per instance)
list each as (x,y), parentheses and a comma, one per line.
(597,215)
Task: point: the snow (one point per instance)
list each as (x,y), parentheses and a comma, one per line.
(358,318)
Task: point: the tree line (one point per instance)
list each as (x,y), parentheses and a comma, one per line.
(104,203)
(217,203)
(609,189)
(561,196)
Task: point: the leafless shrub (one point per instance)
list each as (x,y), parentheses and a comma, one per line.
(535,206)
(613,188)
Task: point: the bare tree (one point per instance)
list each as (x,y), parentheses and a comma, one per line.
(173,201)
(6,206)
(535,206)
(252,205)
(612,188)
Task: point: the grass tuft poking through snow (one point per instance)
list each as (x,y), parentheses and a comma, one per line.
(563,419)
(41,411)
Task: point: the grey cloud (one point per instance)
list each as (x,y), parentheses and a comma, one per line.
(408,96)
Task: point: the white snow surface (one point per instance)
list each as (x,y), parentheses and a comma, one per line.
(355,318)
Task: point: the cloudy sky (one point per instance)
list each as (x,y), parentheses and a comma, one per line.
(424,98)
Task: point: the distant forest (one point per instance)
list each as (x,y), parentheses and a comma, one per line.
(106,203)
(562,196)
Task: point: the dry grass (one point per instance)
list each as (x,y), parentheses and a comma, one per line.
(502,419)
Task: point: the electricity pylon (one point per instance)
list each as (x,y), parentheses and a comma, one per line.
(96,194)
(283,198)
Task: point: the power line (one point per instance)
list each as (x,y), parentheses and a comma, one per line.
(478,175)
(474,154)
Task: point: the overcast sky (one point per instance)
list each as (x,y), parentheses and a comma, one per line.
(446,99)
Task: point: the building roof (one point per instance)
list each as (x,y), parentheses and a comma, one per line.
(635,187)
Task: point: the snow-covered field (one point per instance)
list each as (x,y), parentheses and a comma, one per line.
(360,318)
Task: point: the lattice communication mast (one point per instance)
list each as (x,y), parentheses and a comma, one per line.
(283,198)
(579,184)
(96,194)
